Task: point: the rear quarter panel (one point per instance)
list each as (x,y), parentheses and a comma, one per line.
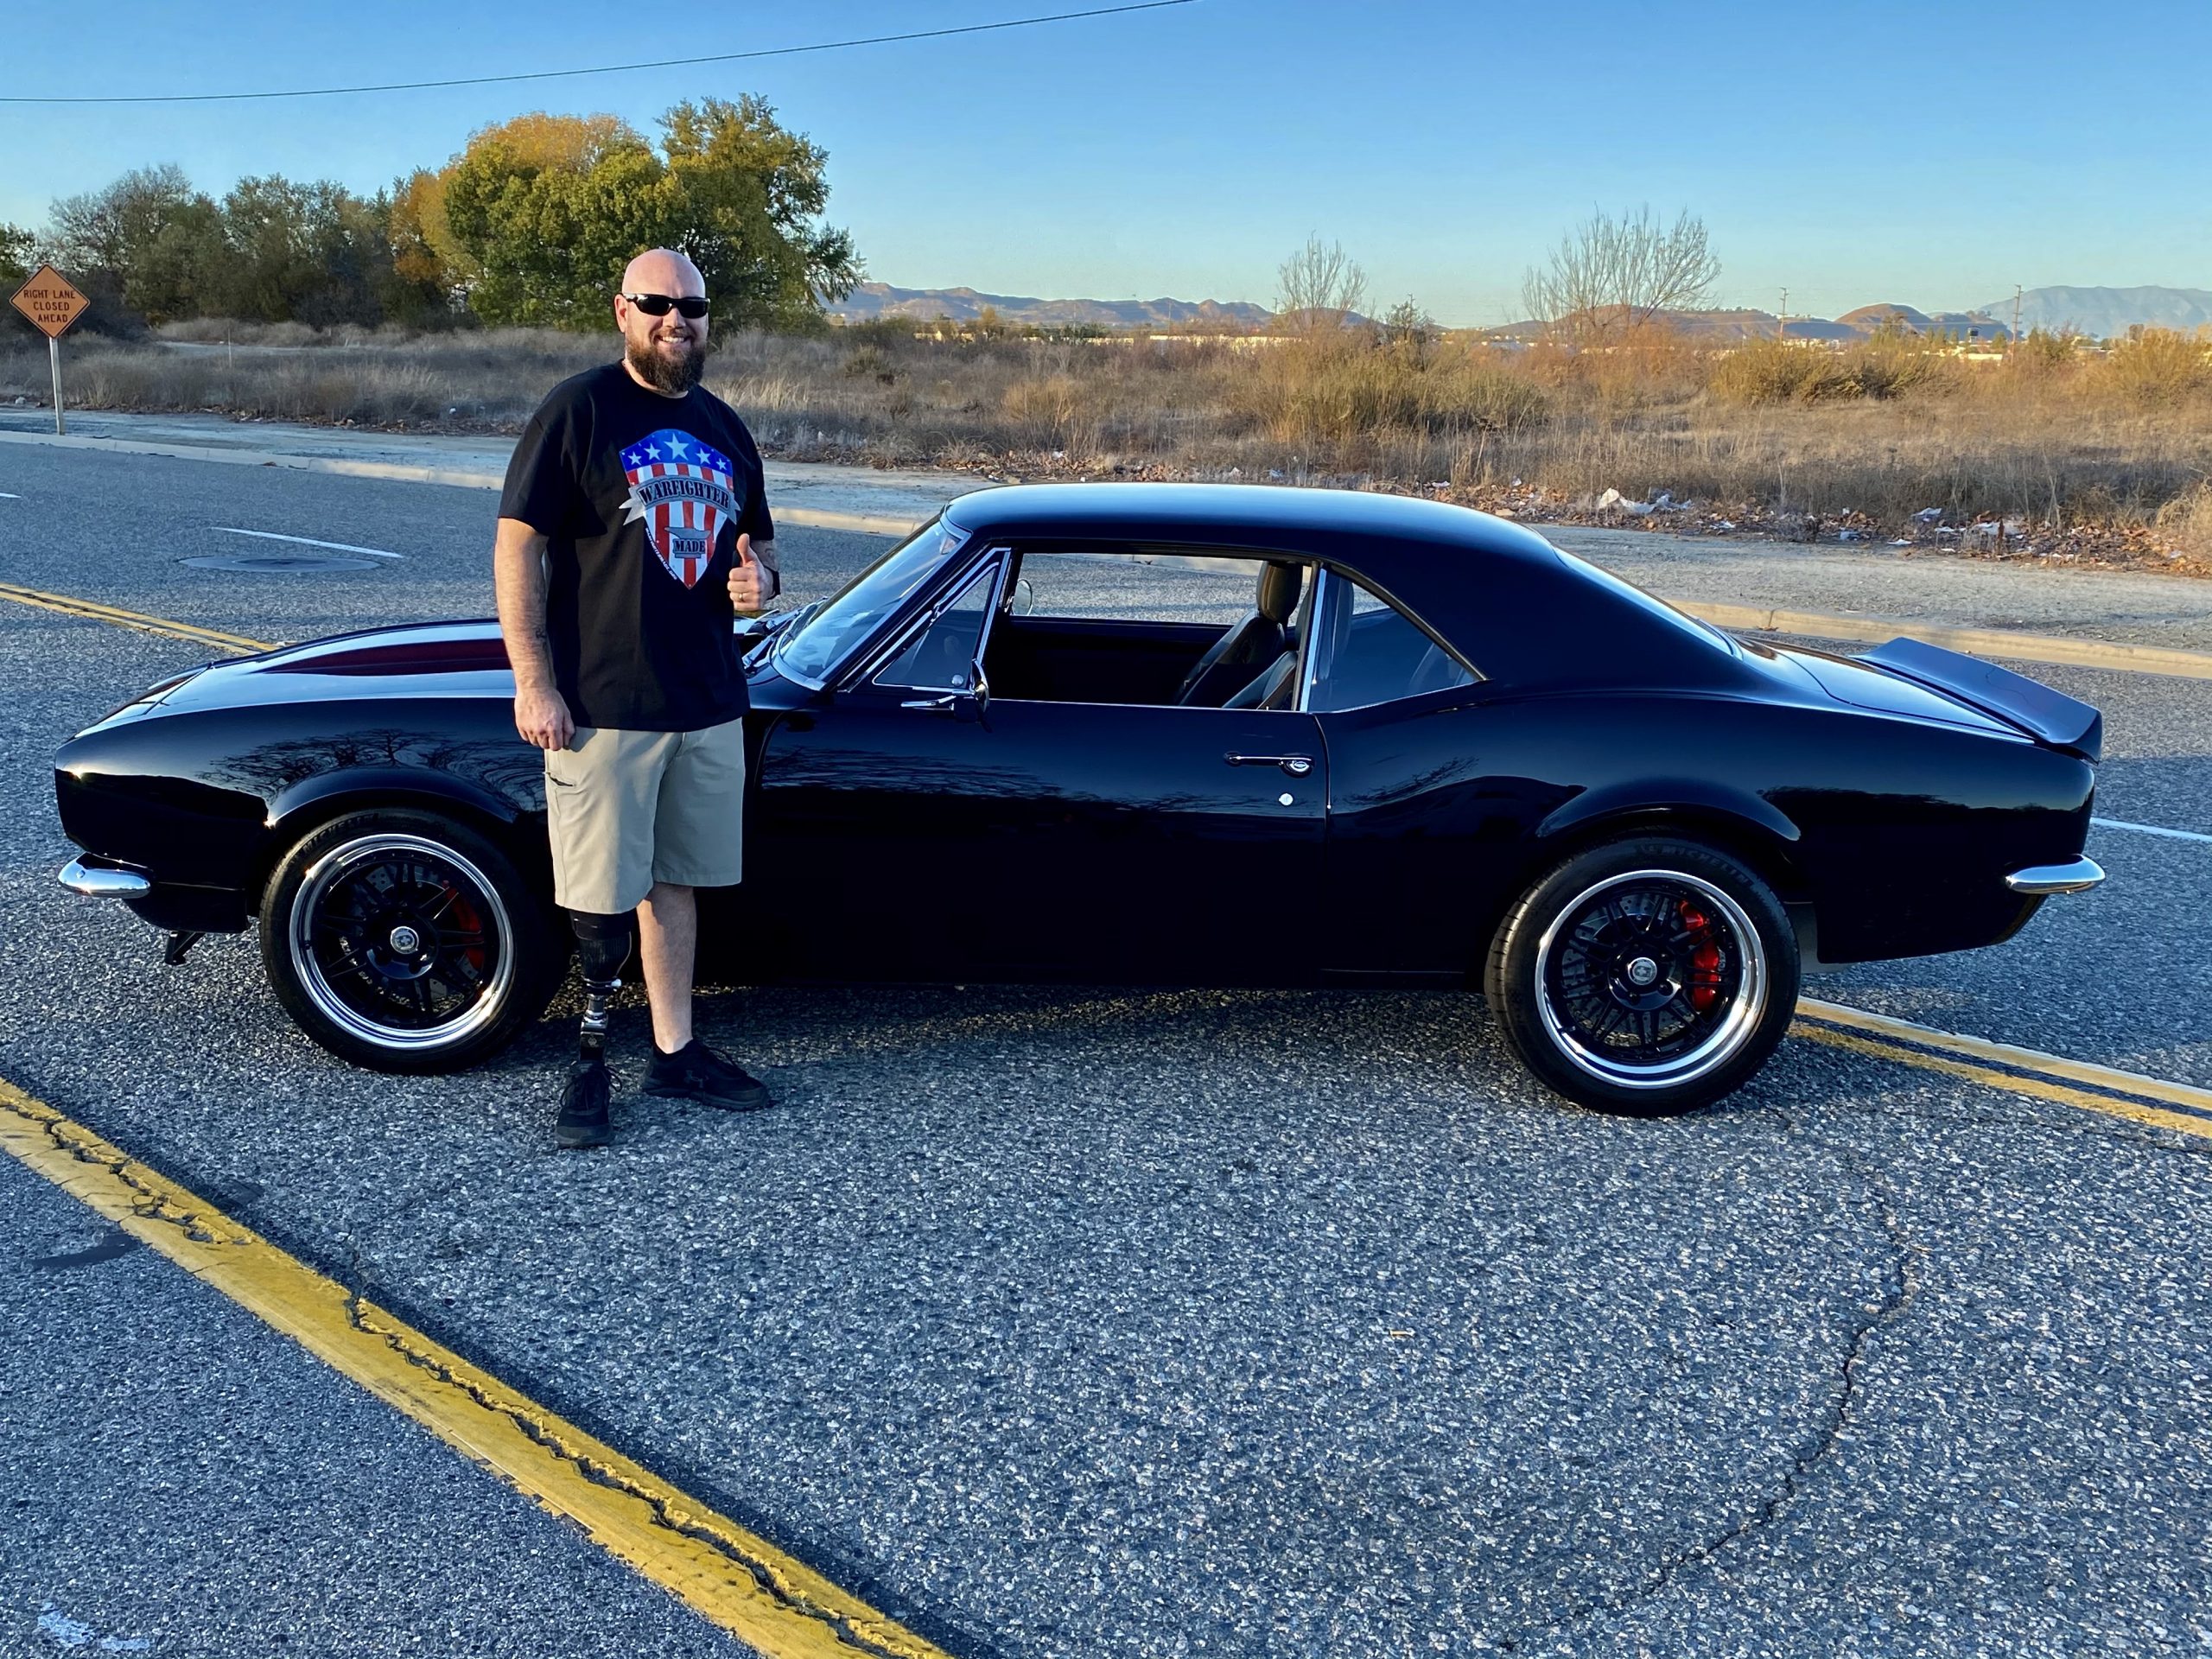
(1898,834)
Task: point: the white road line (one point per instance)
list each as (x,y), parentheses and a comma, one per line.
(9,495)
(307,541)
(2150,829)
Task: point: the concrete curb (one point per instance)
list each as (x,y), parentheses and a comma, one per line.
(453,477)
(2056,649)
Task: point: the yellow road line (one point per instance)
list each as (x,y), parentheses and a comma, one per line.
(94,612)
(2033,1059)
(2111,1105)
(726,1573)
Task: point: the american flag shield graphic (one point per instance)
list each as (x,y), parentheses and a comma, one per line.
(684,491)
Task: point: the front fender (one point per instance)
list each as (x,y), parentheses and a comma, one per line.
(387,786)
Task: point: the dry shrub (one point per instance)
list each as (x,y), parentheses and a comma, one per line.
(2186,521)
(1765,372)
(2051,435)
(1340,388)
(2157,368)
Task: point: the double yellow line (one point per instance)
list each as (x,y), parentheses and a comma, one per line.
(2129,1094)
(92,612)
(723,1571)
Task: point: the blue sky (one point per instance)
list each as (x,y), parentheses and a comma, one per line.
(1933,154)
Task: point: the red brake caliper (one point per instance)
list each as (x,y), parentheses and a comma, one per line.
(466,920)
(1705,960)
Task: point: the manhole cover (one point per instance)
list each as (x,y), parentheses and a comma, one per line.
(300,564)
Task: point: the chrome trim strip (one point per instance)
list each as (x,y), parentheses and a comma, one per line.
(2077,877)
(927,619)
(1310,664)
(95,882)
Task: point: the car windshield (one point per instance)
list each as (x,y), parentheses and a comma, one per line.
(818,642)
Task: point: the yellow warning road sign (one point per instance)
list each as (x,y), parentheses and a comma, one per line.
(51,301)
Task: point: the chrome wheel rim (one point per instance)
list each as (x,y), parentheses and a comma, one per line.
(1651,979)
(402,942)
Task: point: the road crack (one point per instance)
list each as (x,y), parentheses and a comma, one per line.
(149,1202)
(1901,1285)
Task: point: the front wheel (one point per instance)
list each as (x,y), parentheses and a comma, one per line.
(1646,977)
(402,941)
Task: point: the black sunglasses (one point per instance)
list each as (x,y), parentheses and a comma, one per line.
(657,305)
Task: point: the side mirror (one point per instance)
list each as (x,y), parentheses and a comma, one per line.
(1025,597)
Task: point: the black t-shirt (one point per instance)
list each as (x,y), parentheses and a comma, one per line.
(642,498)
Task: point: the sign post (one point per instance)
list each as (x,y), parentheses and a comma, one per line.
(52,303)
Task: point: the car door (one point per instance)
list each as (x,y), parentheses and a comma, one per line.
(950,833)
(1419,832)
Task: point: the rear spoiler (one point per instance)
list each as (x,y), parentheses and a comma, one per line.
(2049,717)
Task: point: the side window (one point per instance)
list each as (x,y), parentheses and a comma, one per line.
(1135,586)
(941,655)
(1370,653)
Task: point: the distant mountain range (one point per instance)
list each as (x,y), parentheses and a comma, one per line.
(2105,312)
(872,300)
(2101,312)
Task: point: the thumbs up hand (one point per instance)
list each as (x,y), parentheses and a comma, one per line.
(748,589)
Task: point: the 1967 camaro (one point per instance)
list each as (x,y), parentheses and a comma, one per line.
(1430,748)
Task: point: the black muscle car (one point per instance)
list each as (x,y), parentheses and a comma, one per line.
(1429,749)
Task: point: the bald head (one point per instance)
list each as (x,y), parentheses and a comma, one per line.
(662,270)
(665,354)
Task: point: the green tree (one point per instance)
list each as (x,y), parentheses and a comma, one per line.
(149,240)
(15,254)
(312,253)
(749,196)
(545,212)
(541,213)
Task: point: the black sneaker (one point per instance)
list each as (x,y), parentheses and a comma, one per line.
(584,1101)
(697,1072)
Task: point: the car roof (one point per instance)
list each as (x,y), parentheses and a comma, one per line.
(1233,513)
(1508,600)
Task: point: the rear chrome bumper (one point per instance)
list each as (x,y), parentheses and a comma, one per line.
(2077,877)
(96,882)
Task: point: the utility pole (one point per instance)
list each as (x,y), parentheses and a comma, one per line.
(2016,311)
(1781,322)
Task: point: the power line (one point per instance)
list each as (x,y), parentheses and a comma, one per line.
(609,68)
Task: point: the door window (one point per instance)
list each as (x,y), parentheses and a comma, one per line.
(942,654)
(1373,652)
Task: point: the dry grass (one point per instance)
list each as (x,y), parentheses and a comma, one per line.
(2064,445)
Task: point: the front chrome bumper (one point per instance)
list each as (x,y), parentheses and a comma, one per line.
(2077,877)
(97,882)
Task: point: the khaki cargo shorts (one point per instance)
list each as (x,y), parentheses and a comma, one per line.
(629,809)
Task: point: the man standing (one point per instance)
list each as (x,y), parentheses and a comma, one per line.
(632,527)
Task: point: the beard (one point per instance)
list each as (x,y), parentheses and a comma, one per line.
(671,375)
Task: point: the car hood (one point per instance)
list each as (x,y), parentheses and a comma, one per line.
(429,658)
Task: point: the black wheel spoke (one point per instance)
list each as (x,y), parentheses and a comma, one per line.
(348,934)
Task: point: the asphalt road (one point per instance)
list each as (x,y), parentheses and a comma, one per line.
(1079,1322)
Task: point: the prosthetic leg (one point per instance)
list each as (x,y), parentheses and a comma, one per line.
(602,949)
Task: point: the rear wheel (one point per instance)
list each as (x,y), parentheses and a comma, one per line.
(404,941)
(1646,977)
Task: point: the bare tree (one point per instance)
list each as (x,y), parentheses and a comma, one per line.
(1318,286)
(1612,274)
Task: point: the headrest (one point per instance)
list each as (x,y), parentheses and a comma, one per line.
(1278,595)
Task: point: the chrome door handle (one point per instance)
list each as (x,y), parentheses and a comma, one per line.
(1296,765)
(944,705)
